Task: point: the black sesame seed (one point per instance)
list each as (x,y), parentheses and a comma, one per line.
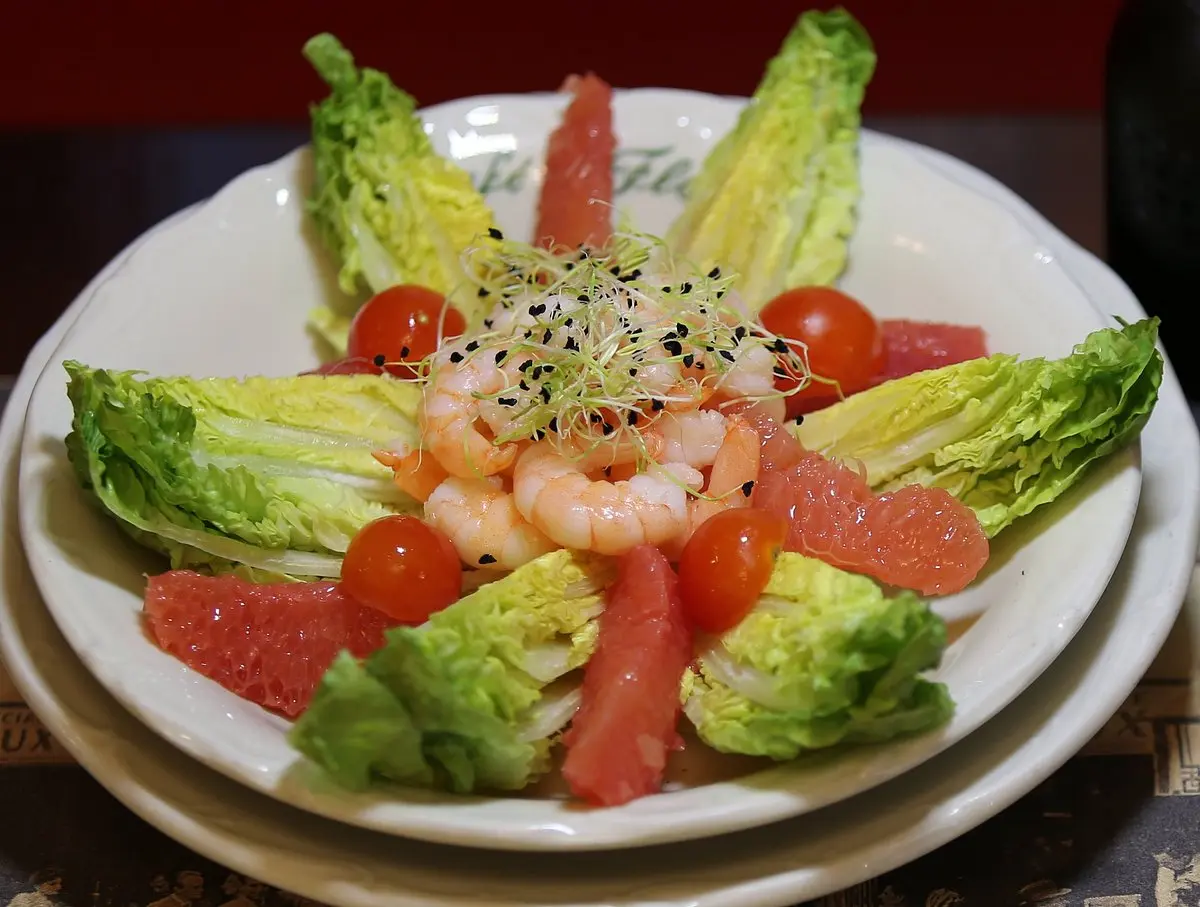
(780,345)
(523,385)
(674,347)
(699,366)
(666,289)
(606,428)
(714,273)
(633,372)
(483,291)
(487,323)
(500,356)
(404,351)
(739,332)
(720,293)
(632,418)
(669,335)
(526,365)
(570,266)
(688,360)
(539,434)
(546,336)
(615,270)
(547,368)
(472,346)
(536,373)
(634,274)
(553,424)
(594,418)
(568,322)
(486,559)
(571,345)
(545,394)
(657,405)
(507,401)
(494,233)
(380,360)
(800,419)
(681,329)
(456,357)
(725,354)
(536,310)
(747,487)
(584,297)
(685,288)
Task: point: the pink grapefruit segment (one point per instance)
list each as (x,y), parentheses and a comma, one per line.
(269,643)
(917,346)
(618,743)
(577,190)
(916,538)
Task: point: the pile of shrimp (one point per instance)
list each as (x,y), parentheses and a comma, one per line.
(658,463)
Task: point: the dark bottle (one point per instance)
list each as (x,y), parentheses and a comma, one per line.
(1152,135)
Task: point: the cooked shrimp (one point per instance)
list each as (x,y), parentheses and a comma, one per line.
(734,470)
(554,493)
(482,521)
(692,437)
(416,473)
(752,375)
(450,415)
(735,464)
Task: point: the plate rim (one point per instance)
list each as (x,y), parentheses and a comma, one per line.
(607,830)
(783,888)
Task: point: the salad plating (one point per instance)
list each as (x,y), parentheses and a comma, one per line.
(566,492)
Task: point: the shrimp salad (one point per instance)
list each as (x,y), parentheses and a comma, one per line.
(570,502)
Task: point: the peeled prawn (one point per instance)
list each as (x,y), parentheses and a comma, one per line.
(553,491)
(752,375)
(482,522)
(450,417)
(735,464)
(415,473)
(692,437)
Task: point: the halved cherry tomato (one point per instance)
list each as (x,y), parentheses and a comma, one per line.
(845,342)
(402,567)
(726,564)
(401,325)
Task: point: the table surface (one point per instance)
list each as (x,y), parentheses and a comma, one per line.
(1118,826)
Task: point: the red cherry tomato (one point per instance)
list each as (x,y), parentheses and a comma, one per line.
(845,342)
(726,564)
(402,567)
(401,325)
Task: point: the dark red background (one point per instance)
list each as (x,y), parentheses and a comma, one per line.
(168,62)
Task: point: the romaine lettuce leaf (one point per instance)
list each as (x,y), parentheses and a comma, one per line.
(1003,436)
(390,207)
(485,682)
(275,474)
(824,658)
(775,199)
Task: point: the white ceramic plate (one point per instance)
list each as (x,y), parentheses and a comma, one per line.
(785,864)
(927,247)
